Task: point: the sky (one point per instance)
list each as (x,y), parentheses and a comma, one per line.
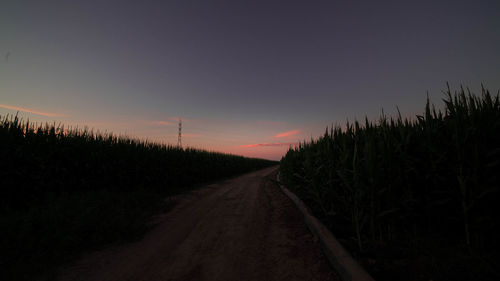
(247,77)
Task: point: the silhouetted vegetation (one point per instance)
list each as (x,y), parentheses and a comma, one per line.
(64,191)
(412,199)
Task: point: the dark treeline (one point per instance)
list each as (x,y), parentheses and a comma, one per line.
(412,199)
(64,191)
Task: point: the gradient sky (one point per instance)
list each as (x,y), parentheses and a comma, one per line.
(246,77)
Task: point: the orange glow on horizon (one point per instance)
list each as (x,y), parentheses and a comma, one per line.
(189,135)
(164,123)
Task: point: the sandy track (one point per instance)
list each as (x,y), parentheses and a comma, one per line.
(239,229)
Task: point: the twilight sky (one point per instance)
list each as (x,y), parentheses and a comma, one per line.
(246,77)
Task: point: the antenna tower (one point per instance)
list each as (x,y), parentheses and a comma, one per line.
(179,140)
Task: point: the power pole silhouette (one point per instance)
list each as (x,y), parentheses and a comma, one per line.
(179,140)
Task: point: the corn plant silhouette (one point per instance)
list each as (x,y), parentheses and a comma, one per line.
(428,182)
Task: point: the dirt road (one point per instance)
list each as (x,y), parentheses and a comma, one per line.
(239,229)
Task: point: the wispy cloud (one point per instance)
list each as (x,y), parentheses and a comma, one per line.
(49,114)
(268,144)
(287,134)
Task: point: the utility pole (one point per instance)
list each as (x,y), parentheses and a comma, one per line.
(179,141)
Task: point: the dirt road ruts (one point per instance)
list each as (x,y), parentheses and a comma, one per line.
(239,229)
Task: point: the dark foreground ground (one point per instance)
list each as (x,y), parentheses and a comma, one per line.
(239,229)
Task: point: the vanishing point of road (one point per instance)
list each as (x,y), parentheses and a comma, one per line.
(244,228)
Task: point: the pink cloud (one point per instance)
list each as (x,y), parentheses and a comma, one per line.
(287,134)
(49,114)
(269,144)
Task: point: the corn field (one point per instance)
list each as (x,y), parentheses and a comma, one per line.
(417,185)
(47,159)
(65,191)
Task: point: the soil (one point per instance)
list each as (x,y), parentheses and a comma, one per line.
(239,229)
